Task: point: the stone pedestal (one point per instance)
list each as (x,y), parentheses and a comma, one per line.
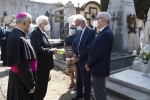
(131,84)
(123,14)
(120,60)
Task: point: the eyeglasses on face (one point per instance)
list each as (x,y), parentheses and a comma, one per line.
(72,28)
(45,24)
(98,18)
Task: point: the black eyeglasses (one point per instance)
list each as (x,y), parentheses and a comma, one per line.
(98,18)
(72,28)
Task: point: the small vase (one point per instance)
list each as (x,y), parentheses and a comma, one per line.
(145,69)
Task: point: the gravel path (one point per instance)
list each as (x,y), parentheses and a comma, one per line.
(57,87)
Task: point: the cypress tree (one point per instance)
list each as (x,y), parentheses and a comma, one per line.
(104,5)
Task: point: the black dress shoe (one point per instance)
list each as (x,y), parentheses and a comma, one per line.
(77,97)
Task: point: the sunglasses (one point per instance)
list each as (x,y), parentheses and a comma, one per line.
(72,28)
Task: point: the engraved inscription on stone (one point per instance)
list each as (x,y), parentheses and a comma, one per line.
(128,3)
(119,10)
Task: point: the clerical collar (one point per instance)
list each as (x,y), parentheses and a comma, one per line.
(21,31)
(42,31)
(103,28)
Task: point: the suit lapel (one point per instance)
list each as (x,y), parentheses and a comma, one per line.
(77,37)
(105,29)
(101,32)
(84,34)
(46,40)
(43,37)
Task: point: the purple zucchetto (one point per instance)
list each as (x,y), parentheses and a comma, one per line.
(20,15)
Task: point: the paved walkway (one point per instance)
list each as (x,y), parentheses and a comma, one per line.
(1,95)
(57,87)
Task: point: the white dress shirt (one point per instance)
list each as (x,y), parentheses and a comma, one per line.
(42,31)
(103,28)
(82,32)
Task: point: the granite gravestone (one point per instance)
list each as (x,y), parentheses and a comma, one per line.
(130,82)
(124,25)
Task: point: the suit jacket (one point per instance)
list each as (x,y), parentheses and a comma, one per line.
(43,50)
(3,35)
(100,53)
(86,40)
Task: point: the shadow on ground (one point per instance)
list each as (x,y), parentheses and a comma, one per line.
(4,73)
(68,95)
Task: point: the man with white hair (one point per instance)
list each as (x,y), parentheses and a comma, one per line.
(20,56)
(44,54)
(82,42)
(99,55)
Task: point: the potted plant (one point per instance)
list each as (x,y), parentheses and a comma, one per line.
(144,57)
(60,55)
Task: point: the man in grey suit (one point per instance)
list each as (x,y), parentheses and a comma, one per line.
(99,55)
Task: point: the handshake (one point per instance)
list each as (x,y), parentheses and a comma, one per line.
(54,50)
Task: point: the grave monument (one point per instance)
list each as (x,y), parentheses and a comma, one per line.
(129,83)
(124,25)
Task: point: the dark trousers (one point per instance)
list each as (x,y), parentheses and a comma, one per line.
(99,88)
(83,80)
(41,86)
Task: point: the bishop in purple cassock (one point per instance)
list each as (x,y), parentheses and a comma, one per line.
(20,56)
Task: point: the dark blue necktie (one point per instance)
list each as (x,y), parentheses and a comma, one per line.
(78,40)
(4,32)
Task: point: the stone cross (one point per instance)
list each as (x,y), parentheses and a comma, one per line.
(93,16)
(47,14)
(113,19)
(26,8)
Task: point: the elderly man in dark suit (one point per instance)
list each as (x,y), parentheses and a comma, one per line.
(82,42)
(44,54)
(3,35)
(99,55)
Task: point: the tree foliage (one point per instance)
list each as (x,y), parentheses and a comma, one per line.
(141,8)
(104,5)
(59,3)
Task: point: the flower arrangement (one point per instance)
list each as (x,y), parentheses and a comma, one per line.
(144,54)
